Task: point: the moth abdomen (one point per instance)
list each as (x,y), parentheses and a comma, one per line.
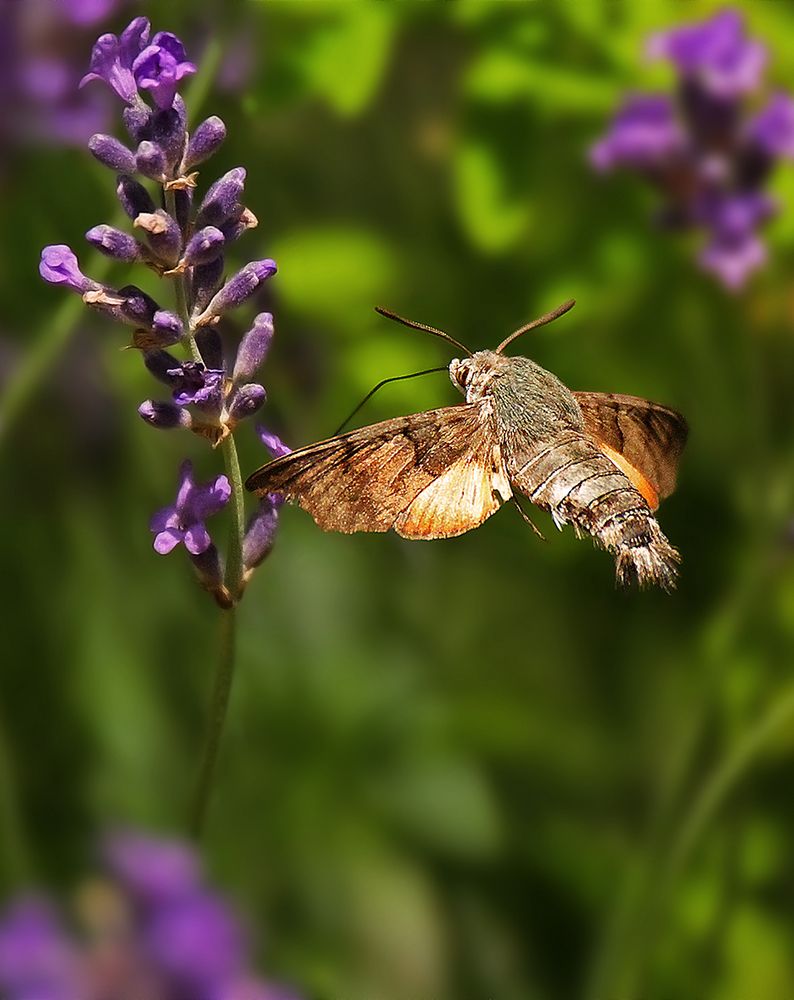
(578,484)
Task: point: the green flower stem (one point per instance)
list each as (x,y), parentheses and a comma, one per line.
(13,841)
(220,703)
(234,557)
(225,671)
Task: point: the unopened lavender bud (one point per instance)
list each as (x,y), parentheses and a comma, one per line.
(134,197)
(239,288)
(260,533)
(253,347)
(234,228)
(137,307)
(112,153)
(210,346)
(222,200)
(150,160)
(159,364)
(168,130)
(207,565)
(137,120)
(183,200)
(205,141)
(114,243)
(204,246)
(162,233)
(168,327)
(165,416)
(207,280)
(59,266)
(246,400)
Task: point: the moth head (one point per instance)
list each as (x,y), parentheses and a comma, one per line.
(473,375)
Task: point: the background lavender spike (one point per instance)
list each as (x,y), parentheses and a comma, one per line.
(703,151)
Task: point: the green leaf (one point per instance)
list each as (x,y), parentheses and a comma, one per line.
(333,270)
(491,217)
(345,59)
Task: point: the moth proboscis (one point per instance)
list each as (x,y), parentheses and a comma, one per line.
(598,461)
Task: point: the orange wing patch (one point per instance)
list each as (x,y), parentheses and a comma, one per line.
(461,498)
(633,474)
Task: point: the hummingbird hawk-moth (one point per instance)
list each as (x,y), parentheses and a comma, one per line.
(598,461)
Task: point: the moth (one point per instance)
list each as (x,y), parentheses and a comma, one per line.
(598,461)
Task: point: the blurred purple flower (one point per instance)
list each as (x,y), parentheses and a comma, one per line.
(153,871)
(772,129)
(161,66)
(700,149)
(183,521)
(644,132)
(89,12)
(37,960)
(716,53)
(155,930)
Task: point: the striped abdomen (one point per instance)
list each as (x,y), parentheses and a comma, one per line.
(575,481)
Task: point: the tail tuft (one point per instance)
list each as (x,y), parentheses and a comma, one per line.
(647,561)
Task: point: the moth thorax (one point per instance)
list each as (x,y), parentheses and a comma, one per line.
(473,375)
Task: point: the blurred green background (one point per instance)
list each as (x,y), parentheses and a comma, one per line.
(464,769)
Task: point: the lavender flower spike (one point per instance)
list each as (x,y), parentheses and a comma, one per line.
(59,266)
(239,288)
(112,59)
(161,67)
(183,521)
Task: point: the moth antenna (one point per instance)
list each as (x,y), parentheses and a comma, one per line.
(380,385)
(542,321)
(528,519)
(422,326)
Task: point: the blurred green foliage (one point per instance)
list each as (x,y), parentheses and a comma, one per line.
(462,769)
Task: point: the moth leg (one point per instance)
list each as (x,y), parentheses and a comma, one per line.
(528,519)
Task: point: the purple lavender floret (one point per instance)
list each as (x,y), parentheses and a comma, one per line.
(183,521)
(59,266)
(706,156)
(112,59)
(161,67)
(196,385)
